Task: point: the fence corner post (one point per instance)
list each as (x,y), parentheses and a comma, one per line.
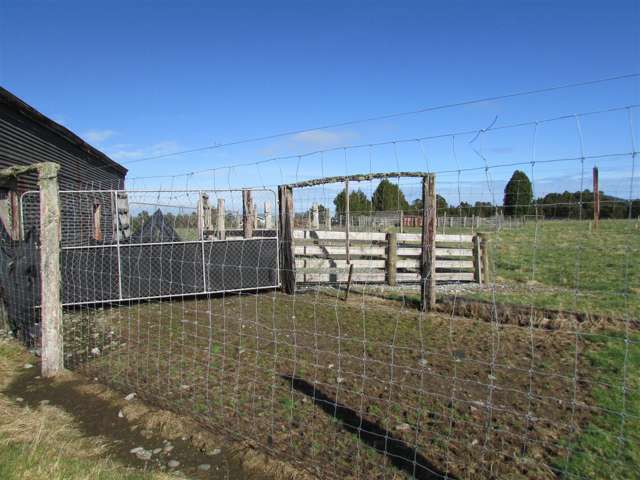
(50,277)
(428,257)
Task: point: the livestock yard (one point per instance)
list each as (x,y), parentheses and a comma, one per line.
(353,326)
(372,387)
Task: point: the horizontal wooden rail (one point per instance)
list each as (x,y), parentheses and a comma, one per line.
(321,257)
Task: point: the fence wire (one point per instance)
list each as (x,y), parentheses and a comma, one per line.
(527,368)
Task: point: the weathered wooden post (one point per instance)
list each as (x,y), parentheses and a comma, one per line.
(327,219)
(50,278)
(285,227)
(347,220)
(477,260)
(247,214)
(220,224)
(596,199)
(204,217)
(268,222)
(484,254)
(392,258)
(428,258)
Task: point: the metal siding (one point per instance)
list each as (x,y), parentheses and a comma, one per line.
(24,142)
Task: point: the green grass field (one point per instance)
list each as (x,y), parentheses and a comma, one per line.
(566,265)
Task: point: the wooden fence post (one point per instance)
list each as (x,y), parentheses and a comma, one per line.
(247,214)
(484,255)
(428,258)
(477,260)
(596,199)
(392,258)
(50,278)
(347,220)
(285,226)
(220,224)
(268,223)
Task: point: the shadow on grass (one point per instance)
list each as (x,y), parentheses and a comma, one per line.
(401,455)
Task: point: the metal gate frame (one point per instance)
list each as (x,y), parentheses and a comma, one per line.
(119,246)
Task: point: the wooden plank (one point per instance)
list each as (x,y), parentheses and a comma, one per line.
(416,237)
(442,264)
(440,252)
(333,235)
(454,252)
(454,238)
(409,251)
(453,276)
(454,264)
(333,270)
(356,178)
(300,250)
(325,262)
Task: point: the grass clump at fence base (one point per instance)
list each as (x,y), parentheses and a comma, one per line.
(43,443)
(614,431)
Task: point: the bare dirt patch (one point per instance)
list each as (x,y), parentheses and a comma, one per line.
(351,388)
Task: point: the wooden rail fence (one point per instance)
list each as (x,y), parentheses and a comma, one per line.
(377,257)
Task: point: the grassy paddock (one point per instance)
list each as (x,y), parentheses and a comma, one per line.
(567,265)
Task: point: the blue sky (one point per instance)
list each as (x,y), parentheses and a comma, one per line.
(138,79)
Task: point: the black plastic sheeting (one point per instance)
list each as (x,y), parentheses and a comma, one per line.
(111,273)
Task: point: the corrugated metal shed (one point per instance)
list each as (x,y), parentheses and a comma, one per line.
(27,136)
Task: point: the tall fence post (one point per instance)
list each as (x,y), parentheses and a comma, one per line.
(428,258)
(596,199)
(220,224)
(347,220)
(392,258)
(247,214)
(50,278)
(285,226)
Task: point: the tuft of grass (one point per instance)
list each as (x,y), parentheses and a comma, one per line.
(612,434)
(43,444)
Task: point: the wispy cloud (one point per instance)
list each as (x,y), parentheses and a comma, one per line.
(125,152)
(98,136)
(323,138)
(310,140)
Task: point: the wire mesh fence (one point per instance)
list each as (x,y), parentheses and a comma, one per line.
(527,367)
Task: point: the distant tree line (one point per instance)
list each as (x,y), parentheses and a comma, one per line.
(518,200)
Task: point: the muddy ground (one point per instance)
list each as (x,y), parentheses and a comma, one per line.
(368,388)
